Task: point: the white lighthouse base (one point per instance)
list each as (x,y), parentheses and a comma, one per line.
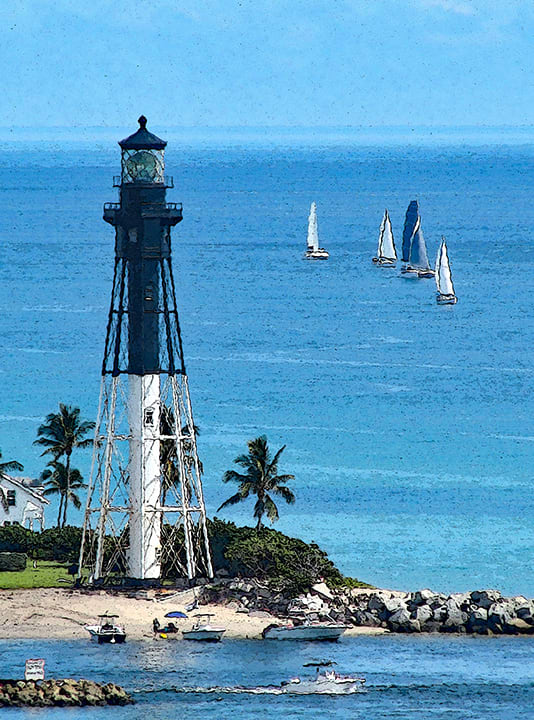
(144,477)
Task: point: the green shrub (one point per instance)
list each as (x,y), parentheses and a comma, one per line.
(12,561)
(17,539)
(60,544)
(287,563)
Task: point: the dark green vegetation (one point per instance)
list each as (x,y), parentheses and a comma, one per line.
(60,434)
(285,563)
(261,479)
(12,561)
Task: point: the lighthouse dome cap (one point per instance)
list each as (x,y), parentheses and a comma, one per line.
(142,139)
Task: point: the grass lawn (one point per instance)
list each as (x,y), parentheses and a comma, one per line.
(47,574)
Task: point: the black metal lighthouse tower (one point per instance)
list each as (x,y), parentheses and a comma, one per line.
(145,516)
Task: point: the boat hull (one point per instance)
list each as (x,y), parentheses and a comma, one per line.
(317,254)
(346,687)
(203,635)
(446,299)
(305,632)
(107,638)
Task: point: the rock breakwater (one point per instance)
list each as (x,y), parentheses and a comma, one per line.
(482,612)
(60,693)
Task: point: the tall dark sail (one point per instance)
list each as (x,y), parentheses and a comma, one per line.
(412,213)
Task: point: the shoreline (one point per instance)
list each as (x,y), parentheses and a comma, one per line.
(57,613)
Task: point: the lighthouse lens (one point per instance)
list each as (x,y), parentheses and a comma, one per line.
(142,166)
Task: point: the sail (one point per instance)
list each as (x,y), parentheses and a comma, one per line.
(386,245)
(418,258)
(381,235)
(412,213)
(313,238)
(443,271)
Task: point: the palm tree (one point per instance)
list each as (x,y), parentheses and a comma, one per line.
(10,465)
(63,483)
(168,454)
(260,479)
(60,434)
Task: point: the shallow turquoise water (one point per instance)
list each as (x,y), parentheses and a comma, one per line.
(409,427)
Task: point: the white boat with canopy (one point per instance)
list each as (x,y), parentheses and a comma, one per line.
(314,252)
(386,255)
(325,682)
(203,630)
(418,265)
(445,294)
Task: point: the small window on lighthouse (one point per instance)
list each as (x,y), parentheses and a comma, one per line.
(149,417)
(149,293)
(132,234)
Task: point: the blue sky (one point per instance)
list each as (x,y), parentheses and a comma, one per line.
(267,62)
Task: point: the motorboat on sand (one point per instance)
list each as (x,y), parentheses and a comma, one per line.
(307,630)
(203,630)
(106,630)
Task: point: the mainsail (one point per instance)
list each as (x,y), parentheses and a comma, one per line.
(313,237)
(412,213)
(443,271)
(386,243)
(418,259)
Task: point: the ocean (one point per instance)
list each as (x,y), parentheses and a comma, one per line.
(421,678)
(409,427)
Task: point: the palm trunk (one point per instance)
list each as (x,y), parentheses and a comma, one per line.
(60,509)
(67,494)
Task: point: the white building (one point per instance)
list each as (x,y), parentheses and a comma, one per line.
(22,502)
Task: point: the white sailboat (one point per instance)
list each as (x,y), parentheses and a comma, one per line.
(314,251)
(445,294)
(418,265)
(386,255)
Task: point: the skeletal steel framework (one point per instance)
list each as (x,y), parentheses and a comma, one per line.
(145,517)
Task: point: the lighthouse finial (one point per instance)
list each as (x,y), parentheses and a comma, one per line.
(142,122)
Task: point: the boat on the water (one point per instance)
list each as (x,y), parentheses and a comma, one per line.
(203,630)
(307,630)
(412,214)
(314,252)
(445,294)
(418,265)
(386,255)
(106,630)
(325,682)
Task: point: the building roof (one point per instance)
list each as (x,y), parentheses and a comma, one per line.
(142,139)
(19,483)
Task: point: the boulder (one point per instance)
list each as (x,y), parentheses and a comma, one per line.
(422,614)
(485,598)
(401,621)
(422,597)
(323,591)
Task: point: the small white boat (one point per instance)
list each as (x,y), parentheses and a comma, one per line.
(386,255)
(106,630)
(306,631)
(445,294)
(325,682)
(418,265)
(314,252)
(203,630)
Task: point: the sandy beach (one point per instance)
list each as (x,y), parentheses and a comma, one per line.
(58,613)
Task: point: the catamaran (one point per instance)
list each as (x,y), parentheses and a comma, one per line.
(412,213)
(314,251)
(386,255)
(445,294)
(418,265)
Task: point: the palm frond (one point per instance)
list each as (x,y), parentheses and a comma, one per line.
(284,492)
(233,500)
(270,509)
(233,476)
(271,469)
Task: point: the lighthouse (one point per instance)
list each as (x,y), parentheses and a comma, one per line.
(145,518)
